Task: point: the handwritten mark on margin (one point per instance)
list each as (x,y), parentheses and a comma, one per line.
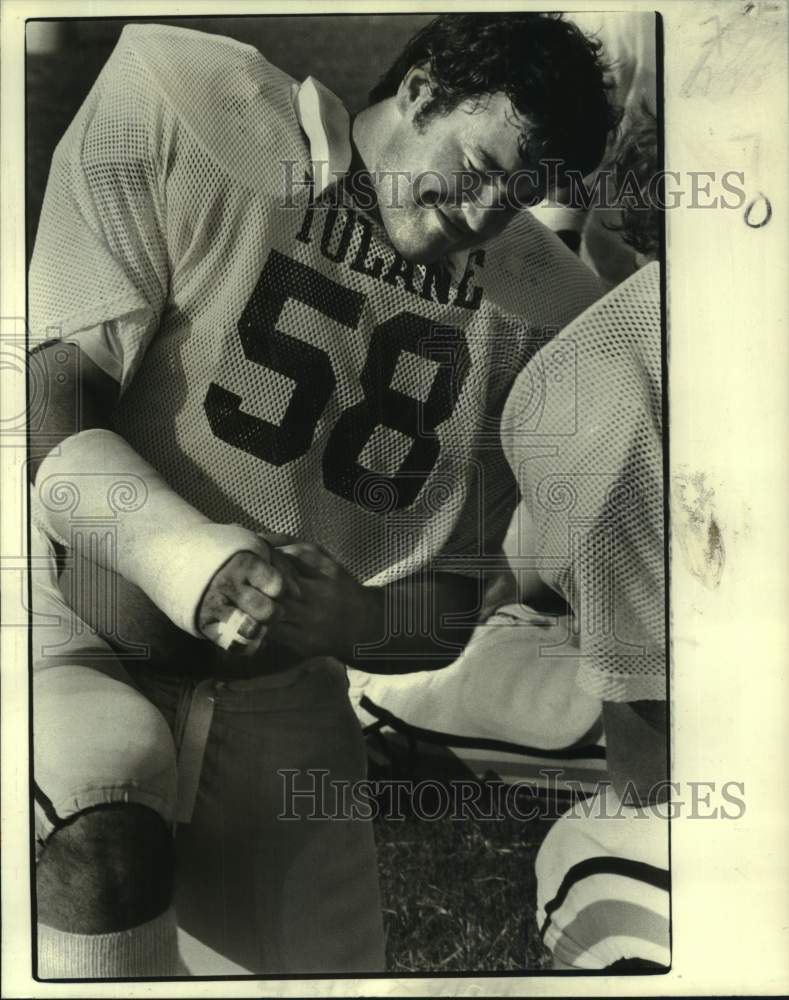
(758,221)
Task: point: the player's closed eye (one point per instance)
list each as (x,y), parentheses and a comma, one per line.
(482,175)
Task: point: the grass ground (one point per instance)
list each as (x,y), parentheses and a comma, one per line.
(459,895)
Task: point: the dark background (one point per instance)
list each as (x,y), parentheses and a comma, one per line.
(346,52)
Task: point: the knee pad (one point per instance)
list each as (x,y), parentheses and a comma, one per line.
(98,740)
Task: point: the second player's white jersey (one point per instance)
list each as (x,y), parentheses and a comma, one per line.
(280,364)
(582,430)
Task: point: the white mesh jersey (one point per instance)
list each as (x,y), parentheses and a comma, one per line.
(590,470)
(279,364)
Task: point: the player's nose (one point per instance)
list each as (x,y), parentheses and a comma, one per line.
(482,211)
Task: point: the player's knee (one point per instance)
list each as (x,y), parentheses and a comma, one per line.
(106,869)
(97,737)
(105,761)
(144,753)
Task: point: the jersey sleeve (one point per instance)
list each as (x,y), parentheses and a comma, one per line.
(616,582)
(99,274)
(591,477)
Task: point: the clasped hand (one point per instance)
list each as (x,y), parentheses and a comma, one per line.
(300,599)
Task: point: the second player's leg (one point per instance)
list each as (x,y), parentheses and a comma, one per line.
(276,881)
(603,887)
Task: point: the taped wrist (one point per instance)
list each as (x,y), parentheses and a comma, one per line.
(96,480)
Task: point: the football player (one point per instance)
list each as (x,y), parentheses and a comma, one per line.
(589,529)
(263,337)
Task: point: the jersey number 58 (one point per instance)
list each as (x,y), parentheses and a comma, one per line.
(311,370)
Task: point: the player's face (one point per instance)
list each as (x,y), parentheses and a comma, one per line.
(445,185)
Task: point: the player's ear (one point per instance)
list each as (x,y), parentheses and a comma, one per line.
(415,91)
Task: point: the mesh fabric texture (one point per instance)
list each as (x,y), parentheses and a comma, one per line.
(590,469)
(282,366)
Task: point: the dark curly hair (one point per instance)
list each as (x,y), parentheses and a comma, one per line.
(635,164)
(551,72)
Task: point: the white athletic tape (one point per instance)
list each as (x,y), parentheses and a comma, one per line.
(162,543)
(229,631)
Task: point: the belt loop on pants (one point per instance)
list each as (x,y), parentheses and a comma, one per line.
(197,726)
